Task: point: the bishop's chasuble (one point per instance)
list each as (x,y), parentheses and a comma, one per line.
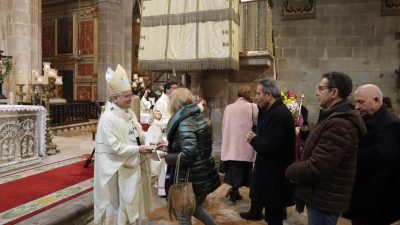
(122,189)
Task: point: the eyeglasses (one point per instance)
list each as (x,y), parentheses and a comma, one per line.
(321,88)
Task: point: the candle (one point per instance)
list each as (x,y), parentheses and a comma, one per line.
(39,80)
(46,77)
(140,79)
(20,78)
(11,98)
(59,80)
(135,76)
(134,85)
(33,76)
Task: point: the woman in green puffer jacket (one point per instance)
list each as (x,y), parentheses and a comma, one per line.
(190,136)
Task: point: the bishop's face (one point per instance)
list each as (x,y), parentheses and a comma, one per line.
(124,99)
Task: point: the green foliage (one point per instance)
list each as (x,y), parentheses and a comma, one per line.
(5,68)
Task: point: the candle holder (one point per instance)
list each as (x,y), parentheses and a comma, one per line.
(37,90)
(43,88)
(20,92)
(51,148)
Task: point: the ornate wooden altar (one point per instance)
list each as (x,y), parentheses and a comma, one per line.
(22,140)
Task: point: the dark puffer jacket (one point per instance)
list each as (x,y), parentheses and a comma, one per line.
(325,174)
(190,135)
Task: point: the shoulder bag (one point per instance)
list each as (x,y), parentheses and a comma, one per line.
(181,198)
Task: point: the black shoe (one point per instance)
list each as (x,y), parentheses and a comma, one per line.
(232,196)
(238,196)
(249,216)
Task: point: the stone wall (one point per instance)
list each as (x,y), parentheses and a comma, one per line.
(347,36)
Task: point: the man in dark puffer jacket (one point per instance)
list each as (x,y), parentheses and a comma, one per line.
(325,173)
(190,135)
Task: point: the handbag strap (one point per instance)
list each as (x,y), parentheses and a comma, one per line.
(178,163)
(252,114)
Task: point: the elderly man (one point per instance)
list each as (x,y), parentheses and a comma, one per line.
(325,173)
(274,143)
(122,169)
(376,197)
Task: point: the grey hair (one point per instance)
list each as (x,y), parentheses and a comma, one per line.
(270,85)
(110,98)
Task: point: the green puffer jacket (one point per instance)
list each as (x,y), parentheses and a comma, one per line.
(190,135)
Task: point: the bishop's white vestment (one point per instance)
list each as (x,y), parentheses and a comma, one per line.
(122,188)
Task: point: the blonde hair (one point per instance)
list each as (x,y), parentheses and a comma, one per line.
(179,98)
(245,92)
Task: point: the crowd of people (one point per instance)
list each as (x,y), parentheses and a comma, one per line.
(349,164)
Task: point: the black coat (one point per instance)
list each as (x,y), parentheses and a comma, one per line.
(274,144)
(376,193)
(190,135)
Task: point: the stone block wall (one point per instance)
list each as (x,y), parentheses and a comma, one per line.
(347,36)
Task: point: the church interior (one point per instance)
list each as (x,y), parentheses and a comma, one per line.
(54,55)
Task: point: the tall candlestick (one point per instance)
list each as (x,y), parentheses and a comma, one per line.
(46,77)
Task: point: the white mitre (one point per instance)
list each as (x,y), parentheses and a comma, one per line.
(117,81)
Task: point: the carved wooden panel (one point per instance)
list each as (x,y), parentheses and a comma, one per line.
(48,44)
(86,37)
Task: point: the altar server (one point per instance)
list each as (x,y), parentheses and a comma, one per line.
(122,169)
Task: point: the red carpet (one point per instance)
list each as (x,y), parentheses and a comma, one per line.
(23,190)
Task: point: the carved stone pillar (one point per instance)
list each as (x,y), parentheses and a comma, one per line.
(115,39)
(20,37)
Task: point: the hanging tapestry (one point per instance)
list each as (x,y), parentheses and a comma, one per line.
(298,9)
(188,35)
(390,7)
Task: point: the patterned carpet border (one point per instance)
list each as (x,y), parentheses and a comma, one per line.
(40,169)
(48,201)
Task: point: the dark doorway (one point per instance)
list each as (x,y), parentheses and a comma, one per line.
(68,84)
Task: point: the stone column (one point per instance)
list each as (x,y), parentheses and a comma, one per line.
(22,38)
(115,39)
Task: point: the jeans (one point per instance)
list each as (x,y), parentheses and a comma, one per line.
(318,217)
(200,213)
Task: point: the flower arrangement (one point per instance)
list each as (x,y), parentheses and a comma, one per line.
(289,98)
(5,68)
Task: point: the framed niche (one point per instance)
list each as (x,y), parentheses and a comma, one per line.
(65,35)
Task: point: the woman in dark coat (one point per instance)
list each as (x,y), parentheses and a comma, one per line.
(189,136)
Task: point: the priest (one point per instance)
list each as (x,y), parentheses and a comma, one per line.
(122,165)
